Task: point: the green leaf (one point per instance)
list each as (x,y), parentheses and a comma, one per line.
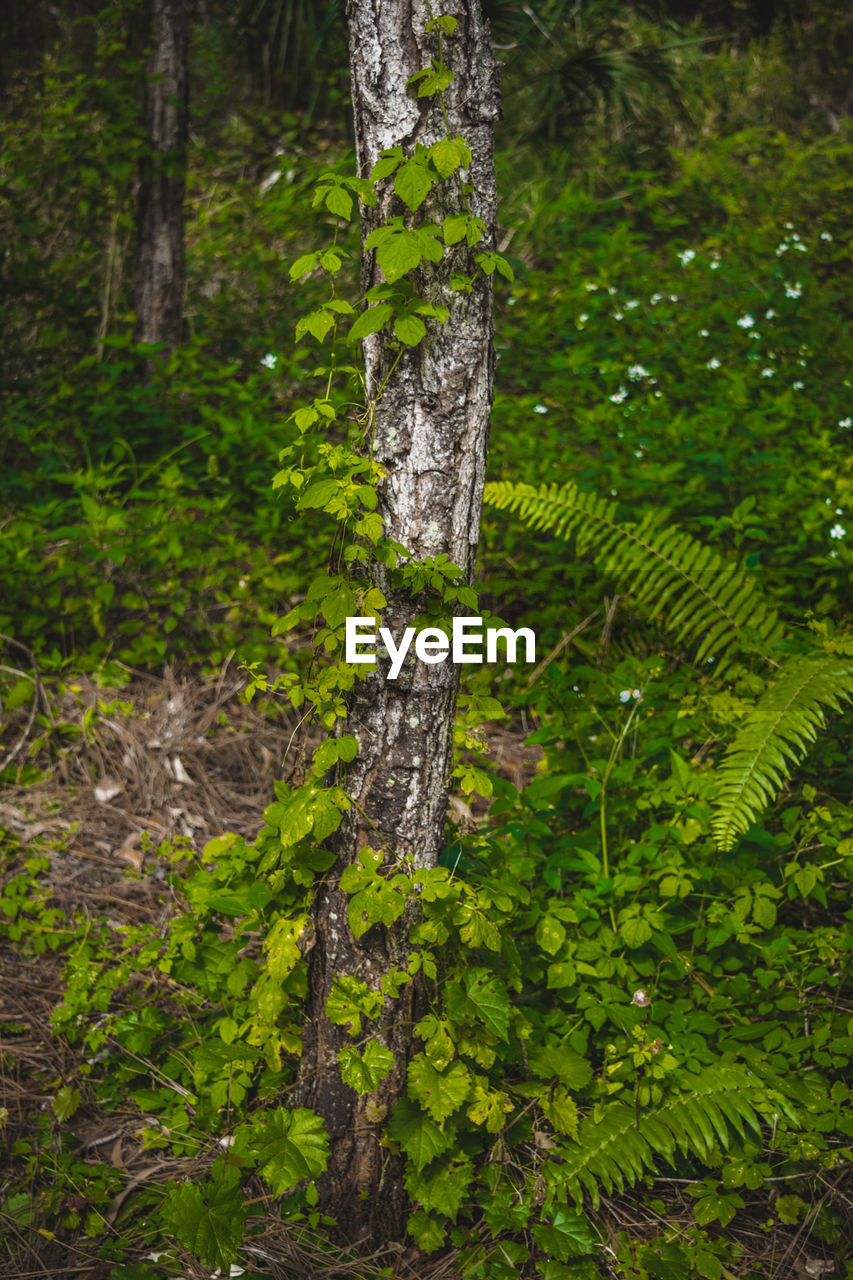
(287,1146)
(317,323)
(283,953)
(304,265)
(338,201)
(439,1093)
(427,1233)
(339,604)
(635,929)
(65,1102)
(550,934)
(370,321)
(318,494)
(567,1234)
(448,154)
(409,329)
(398,250)
(418,1135)
(559,1060)
(327,816)
(454,227)
(412,184)
(364,1072)
(386,164)
(351,999)
(208,1219)
(488,1000)
(442,1186)
(444,21)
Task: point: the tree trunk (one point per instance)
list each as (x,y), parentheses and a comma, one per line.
(431,436)
(162,180)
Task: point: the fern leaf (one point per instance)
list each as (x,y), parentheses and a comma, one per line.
(617,1150)
(775,737)
(697,595)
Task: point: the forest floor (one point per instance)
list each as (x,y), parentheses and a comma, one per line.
(167,763)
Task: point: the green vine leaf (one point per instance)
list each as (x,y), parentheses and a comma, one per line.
(444,22)
(400,249)
(449,154)
(439,1093)
(409,329)
(287,1147)
(370,321)
(418,1135)
(413,184)
(431,80)
(208,1219)
(364,1072)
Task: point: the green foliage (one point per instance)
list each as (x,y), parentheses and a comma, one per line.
(702,600)
(775,736)
(639,963)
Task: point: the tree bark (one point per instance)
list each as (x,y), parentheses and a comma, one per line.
(431,435)
(162,180)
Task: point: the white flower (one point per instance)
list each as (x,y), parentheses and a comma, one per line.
(802,247)
(845,422)
(793,290)
(781,248)
(611,290)
(703,333)
(269,361)
(655,299)
(540,408)
(768,315)
(686,255)
(617,315)
(627,694)
(640,998)
(582,319)
(512,301)
(590,288)
(638,371)
(715,264)
(768,373)
(673,297)
(746,322)
(713,363)
(631,303)
(619,396)
(837,531)
(824,235)
(798,386)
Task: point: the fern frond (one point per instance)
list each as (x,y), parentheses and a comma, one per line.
(697,595)
(617,1150)
(776,736)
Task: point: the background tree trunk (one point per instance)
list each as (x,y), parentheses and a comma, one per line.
(431,435)
(162,180)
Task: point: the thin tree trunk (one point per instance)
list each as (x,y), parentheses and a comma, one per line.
(162,180)
(431,435)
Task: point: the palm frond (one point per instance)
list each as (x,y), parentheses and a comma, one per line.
(776,736)
(616,1150)
(690,589)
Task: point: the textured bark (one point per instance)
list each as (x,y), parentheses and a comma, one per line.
(162,180)
(431,435)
